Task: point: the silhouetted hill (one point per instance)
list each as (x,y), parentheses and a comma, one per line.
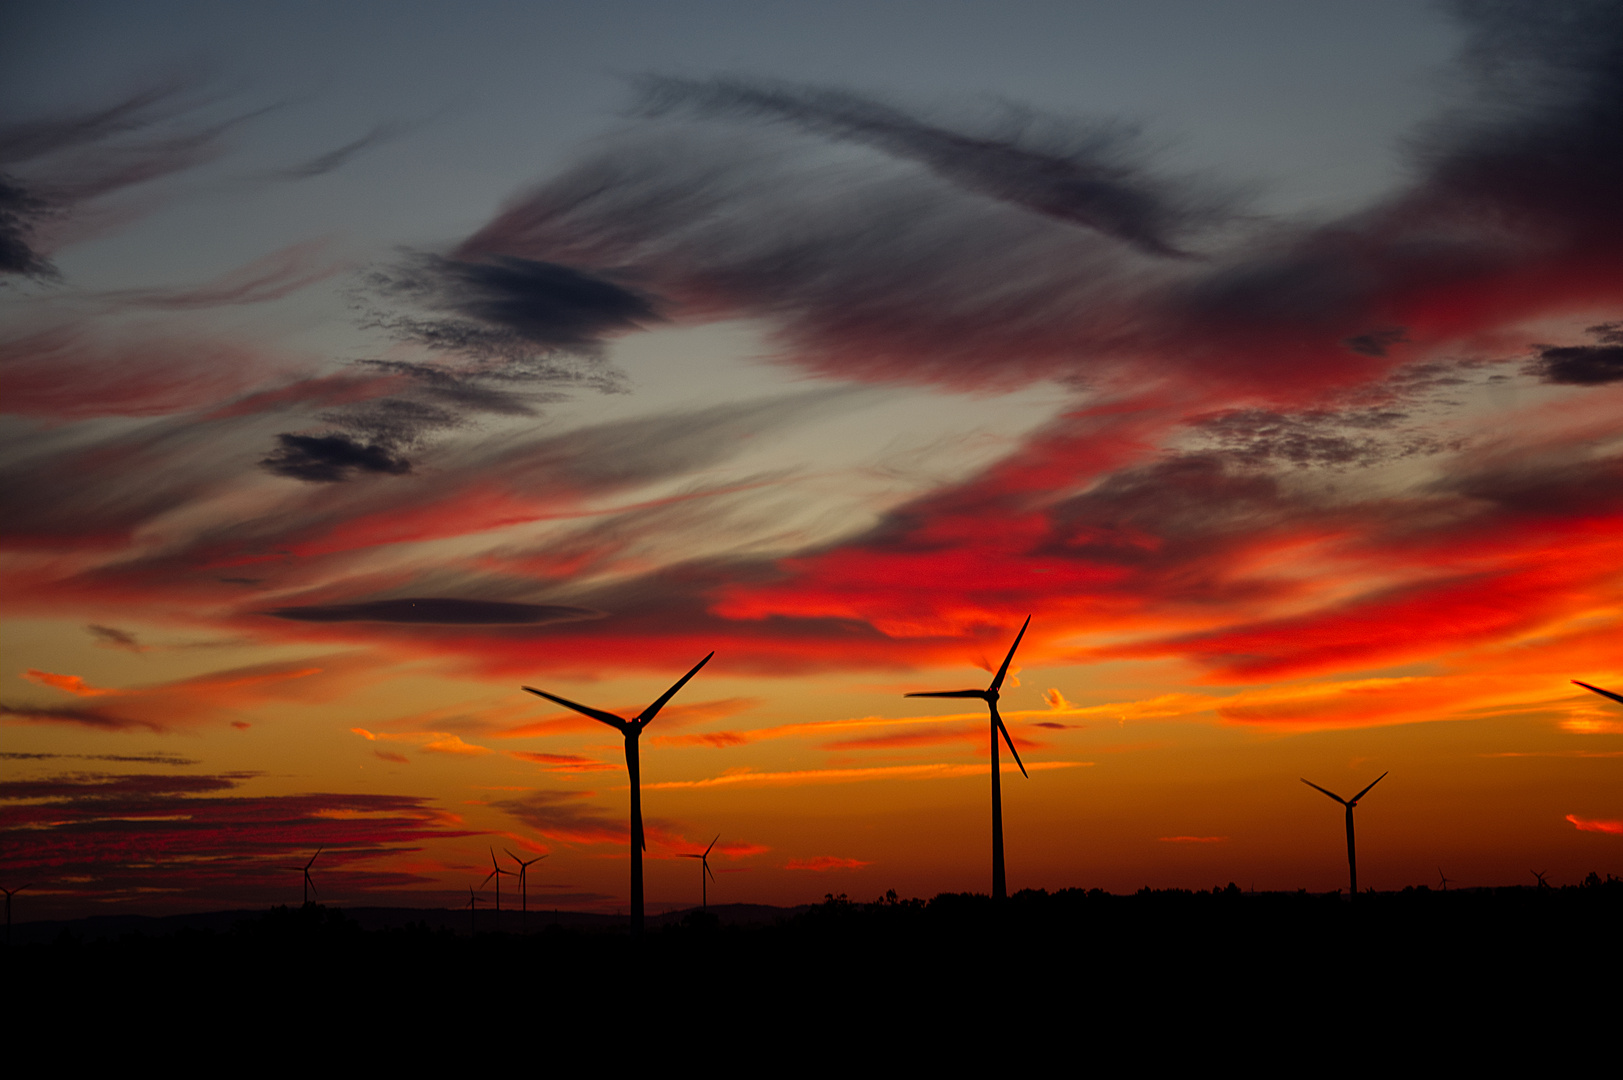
(1162,966)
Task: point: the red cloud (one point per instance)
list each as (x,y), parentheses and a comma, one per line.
(1595,825)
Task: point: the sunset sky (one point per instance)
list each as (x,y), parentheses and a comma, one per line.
(362,363)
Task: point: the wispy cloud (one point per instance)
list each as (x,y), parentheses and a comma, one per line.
(1615,828)
(745,777)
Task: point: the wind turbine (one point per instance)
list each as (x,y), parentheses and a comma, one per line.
(990,696)
(9,893)
(1352,855)
(473,904)
(1443,878)
(1603,693)
(631,729)
(704,861)
(309,885)
(496,872)
(1542,884)
(523,887)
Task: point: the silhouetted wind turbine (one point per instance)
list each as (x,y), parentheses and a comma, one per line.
(496,872)
(1540,876)
(9,893)
(990,696)
(1603,693)
(631,729)
(309,885)
(704,863)
(1445,880)
(473,903)
(1352,855)
(523,887)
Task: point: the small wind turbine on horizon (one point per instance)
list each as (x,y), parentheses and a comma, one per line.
(9,894)
(1603,693)
(1443,878)
(990,696)
(704,863)
(309,884)
(1539,875)
(1352,854)
(473,904)
(523,886)
(631,729)
(496,872)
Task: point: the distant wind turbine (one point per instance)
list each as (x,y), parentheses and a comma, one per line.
(9,894)
(1445,880)
(631,729)
(704,863)
(309,885)
(1542,884)
(990,696)
(1352,854)
(523,886)
(496,872)
(1603,693)
(473,904)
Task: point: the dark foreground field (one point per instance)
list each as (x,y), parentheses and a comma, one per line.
(1155,974)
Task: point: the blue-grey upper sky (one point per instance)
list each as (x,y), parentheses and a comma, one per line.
(1303,107)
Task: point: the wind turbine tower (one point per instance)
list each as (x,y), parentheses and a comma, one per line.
(704,863)
(631,729)
(990,696)
(1352,853)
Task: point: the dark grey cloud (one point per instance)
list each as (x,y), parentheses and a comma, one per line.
(1377,342)
(338,158)
(104,786)
(506,305)
(113,638)
(155,758)
(441,610)
(860,268)
(565,815)
(56,164)
(1319,438)
(21,210)
(1583,365)
(97,718)
(327,459)
(1081,175)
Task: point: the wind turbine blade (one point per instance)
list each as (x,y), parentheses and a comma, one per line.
(1603,693)
(521,863)
(1354,800)
(709,871)
(312,886)
(314,857)
(951,693)
(596,714)
(1004,670)
(998,720)
(712,844)
(1332,794)
(653,710)
(488,876)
